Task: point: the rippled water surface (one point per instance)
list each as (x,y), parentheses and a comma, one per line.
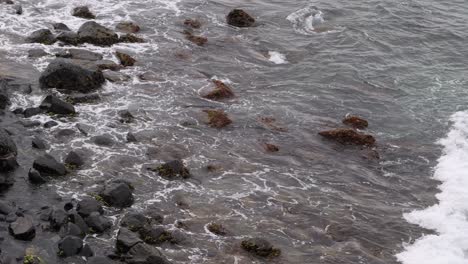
(399,64)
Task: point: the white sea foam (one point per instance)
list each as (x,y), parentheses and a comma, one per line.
(450,216)
(306,19)
(277,58)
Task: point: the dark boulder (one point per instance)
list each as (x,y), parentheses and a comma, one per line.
(69,246)
(348,136)
(217,118)
(270,147)
(172,170)
(35,177)
(18,9)
(43,36)
(131,137)
(118,194)
(125,59)
(64,133)
(23,228)
(47,165)
(199,40)
(216,229)
(143,253)
(69,38)
(130,38)
(6,208)
(50,124)
(97,223)
(86,251)
(74,160)
(89,205)
(126,239)
(70,77)
(32,111)
(8,152)
(239,18)
(75,218)
(93,33)
(4,101)
(134,221)
(356,122)
(70,229)
(260,247)
(37,53)
(155,235)
(58,218)
(53,104)
(60,27)
(128,27)
(83,12)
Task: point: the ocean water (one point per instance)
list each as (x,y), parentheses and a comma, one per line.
(402,65)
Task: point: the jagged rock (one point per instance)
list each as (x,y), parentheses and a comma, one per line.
(217,118)
(134,221)
(60,27)
(125,59)
(23,228)
(69,37)
(47,165)
(70,77)
(35,177)
(89,205)
(118,194)
(348,136)
(356,122)
(70,246)
(103,140)
(128,27)
(8,152)
(126,239)
(239,18)
(97,223)
(43,36)
(83,12)
(93,33)
(221,91)
(86,251)
(74,159)
(260,247)
(193,23)
(53,104)
(37,53)
(172,170)
(39,143)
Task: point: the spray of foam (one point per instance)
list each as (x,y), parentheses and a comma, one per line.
(277,58)
(305,19)
(450,216)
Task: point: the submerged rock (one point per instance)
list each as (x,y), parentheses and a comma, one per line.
(47,165)
(74,160)
(356,122)
(128,27)
(8,152)
(155,235)
(199,40)
(193,23)
(80,54)
(37,53)
(94,33)
(100,260)
(32,111)
(172,170)
(221,91)
(125,59)
(143,253)
(260,247)
(130,38)
(217,118)
(103,140)
(118,194)
(83,12)
(23,228)
(53,104)
(83,98)
(70,77)
(348,136)
(270,147)
(43,36)
(38,143)
(113,76)
(239,18)
(216,229)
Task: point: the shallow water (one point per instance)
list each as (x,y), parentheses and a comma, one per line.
(401,65)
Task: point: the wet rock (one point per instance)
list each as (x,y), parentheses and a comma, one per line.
(8,152)
(58,218)
(260,247)
(32,111)
(113,76)
(216,229)
(103,140)
(239,18)
(69,246)
(93,33)
(69,37)
(97,223)
(67,76)
(35,177)
(131,137)
(193,23)
(37,53)
(134,221)
(83,98)
(155,235)
(221,91)
(23,228)
(128,27)
(80,54)
(8,2)
(100,260)
(6,208)
(28,123)
(356,122)
(118,194)
(217,118)
(199,40)
(89,205)
(11,217)
(70,229)
(64,133)
(126,116)
(270,147)
(154,216)
(47,165)
(86,252)
(50,124)
(130,38)
(125,59)
(142,253)
(38,143)
(18,111)
(348,136)
(126,239)
(74,160)
(60,27)
(18,9)
(76,219)
(53,104)
(172,170)
(4,101)
(43,36)
(83,12)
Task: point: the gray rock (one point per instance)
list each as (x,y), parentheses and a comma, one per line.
(23,228)
(43,36)
(35,177)
(36,53)
(89,205)
(8,152)
(114,76)
(126,239)
(69,37)
(47,165)
(70,246)
(80,54)
(98,223)
(118,194)
(239,18)
(39,143)
(74,159)
(93,33)
(83,12)
(60,27)
(145,254)
(53,104)
(103,140)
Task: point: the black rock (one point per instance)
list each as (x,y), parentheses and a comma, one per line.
(53,104)
(74,159)
(239,18)
(126,239)
(23,228)
(28,123)
(70,229)
(6,208)
(69,246)
(83,98)
(18,9)
(8,152)
(75,218)
(126,116)
(11,217)
(18,111)
(50,124)
(43,36)
(103,140)
(86,251)
(83,12)
(97,223)
(131,137)
(89,205)
(63,133)
(260,247)
(36,53)
(118,194)
(92,32)
(70,77)
(4,101)
(143,253)
(172,170)
(35,177)
(58,218)
(155,235)
(28,112)
(39,143)
(47,165)
(100,260)
(134,221)
(60,27)
(69,37)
